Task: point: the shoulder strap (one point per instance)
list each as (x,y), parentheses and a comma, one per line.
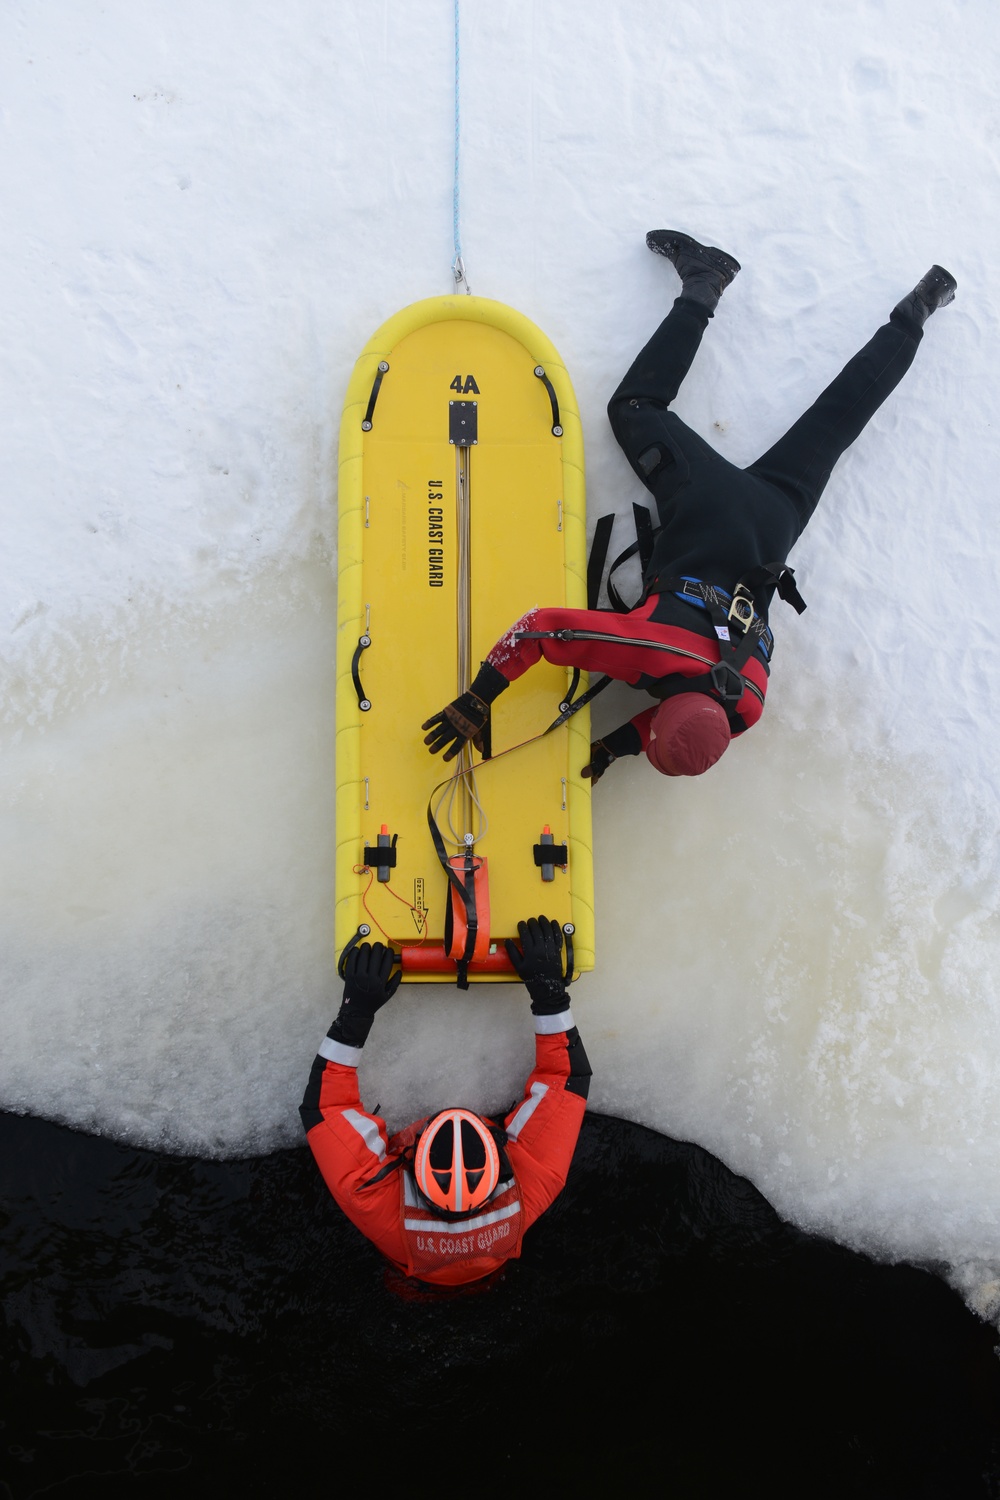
(645,535)
(598,557)
(782,576)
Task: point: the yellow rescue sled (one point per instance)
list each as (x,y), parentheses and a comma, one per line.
(461,506)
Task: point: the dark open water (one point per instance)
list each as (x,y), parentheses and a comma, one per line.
(177,1327)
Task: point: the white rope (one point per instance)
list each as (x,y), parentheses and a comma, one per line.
(468,803)
(458,264)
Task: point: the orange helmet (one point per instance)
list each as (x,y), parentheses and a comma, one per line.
(456,1163)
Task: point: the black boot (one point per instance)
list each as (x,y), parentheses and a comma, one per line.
(704,271)
(932,291)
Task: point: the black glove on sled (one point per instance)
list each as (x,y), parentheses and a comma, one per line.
(600,759)
(626,740)
(460,721)
(539,962)
(367,987)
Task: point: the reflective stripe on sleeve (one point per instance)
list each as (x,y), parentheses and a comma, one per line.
(368,1131)
(549,1025)
(339,1052)
(461,1226)
(524,1114)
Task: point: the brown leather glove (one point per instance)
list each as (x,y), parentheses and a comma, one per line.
(600,759)
(458,722)
(625,740)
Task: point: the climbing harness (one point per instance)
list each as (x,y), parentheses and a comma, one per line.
(739,626)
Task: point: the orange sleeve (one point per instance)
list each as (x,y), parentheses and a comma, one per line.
(351,1148)
(542,1131)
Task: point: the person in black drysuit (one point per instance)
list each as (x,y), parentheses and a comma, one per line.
(721,528)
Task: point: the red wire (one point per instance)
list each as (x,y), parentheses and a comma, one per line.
(425,912)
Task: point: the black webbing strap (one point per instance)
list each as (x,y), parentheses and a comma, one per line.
(574,683)
(782,576)
(468,885)
(466,891)
(595,572)
(738,629)
(383,856)
(550,854)
(645,536)
(569,707)
(598,557)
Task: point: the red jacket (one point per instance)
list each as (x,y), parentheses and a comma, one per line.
(691,653)
(369,1172)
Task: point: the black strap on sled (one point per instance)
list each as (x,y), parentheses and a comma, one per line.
(363,931)
(568,931)
(553,400)
(570,705)
(366,420)
(465,887)
(363,643)
(382,857)
(550,854)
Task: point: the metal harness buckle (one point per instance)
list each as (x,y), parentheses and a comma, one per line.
(741,611)
(727,682)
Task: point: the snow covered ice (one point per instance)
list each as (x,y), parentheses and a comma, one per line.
(209,211)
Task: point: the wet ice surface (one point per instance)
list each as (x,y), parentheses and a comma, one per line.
(797,955)
(170,1322)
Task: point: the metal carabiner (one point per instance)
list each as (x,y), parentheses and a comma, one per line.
(742,611)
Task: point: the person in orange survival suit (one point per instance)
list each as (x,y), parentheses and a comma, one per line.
(448,1199)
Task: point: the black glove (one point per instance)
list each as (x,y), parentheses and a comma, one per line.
(600,759)
(367,987)
(539,962)
(625,740)
(460,721)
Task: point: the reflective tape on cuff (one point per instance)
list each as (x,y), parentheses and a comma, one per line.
(549,1025)
(339,1052)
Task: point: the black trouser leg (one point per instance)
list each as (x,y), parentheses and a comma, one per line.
(657,371)
(800,463)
